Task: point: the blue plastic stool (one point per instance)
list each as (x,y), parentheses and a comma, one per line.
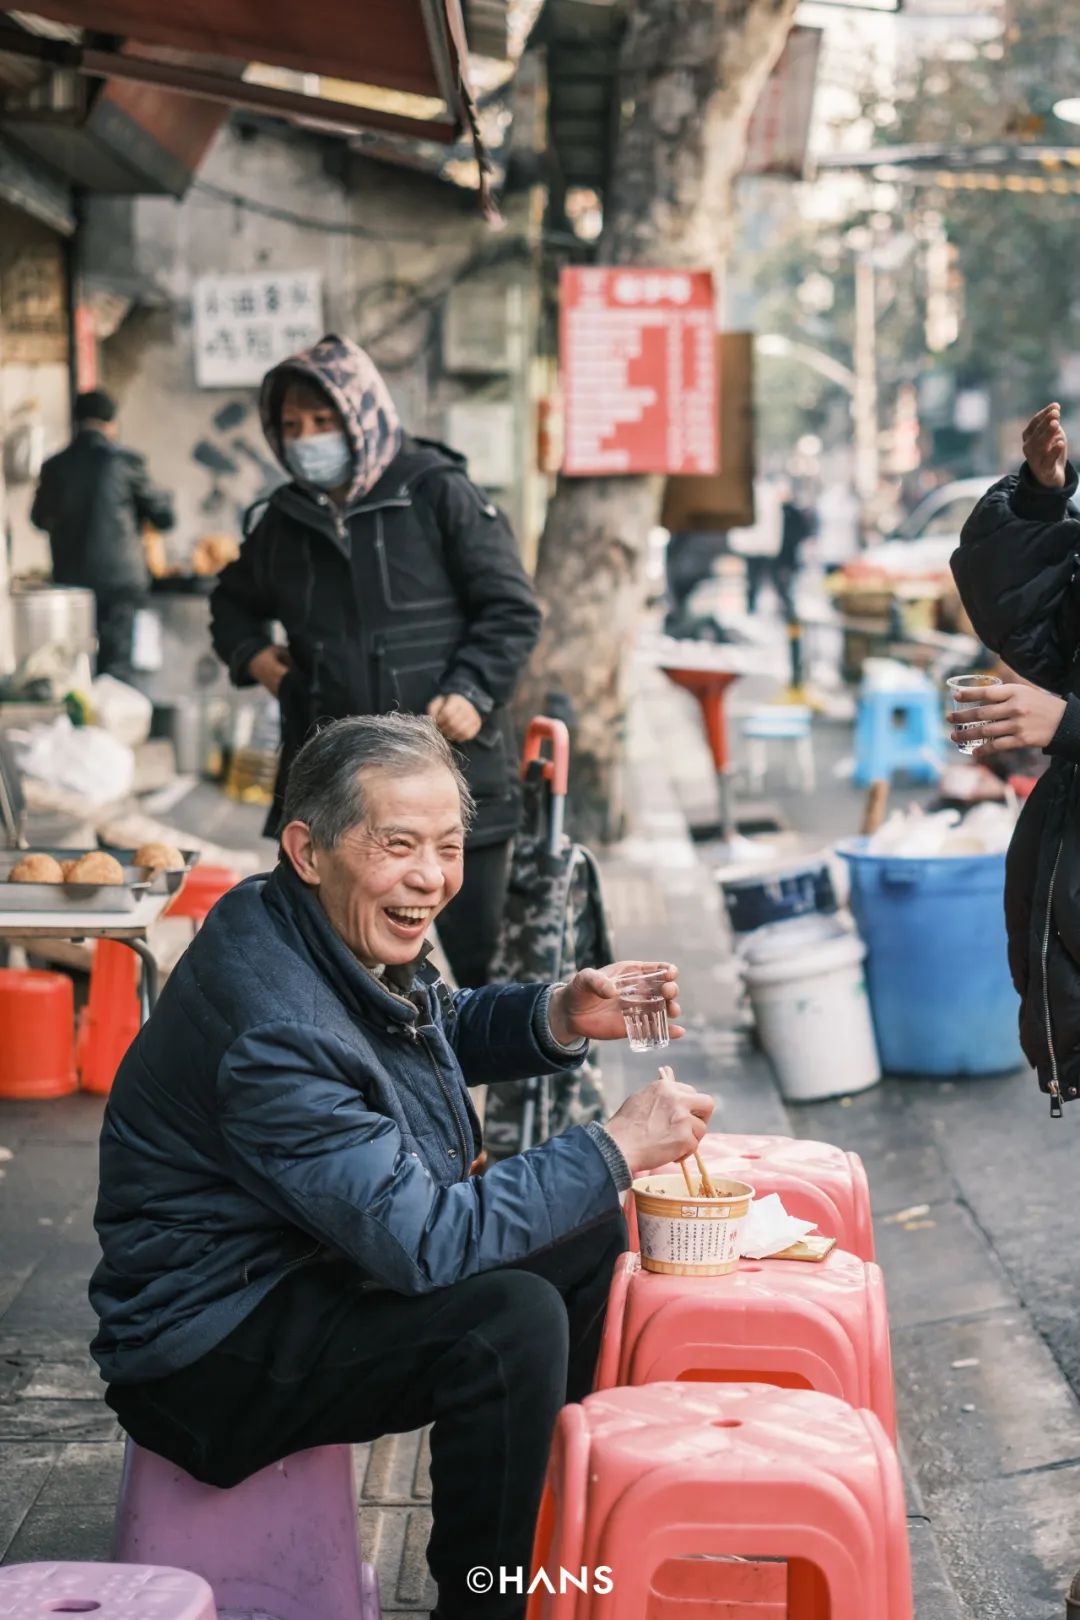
(788,724)
(899,731)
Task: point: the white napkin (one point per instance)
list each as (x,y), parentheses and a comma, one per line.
(769,1229)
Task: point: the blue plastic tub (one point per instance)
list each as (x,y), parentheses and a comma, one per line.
(937,965)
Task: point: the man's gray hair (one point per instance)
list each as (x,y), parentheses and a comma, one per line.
(325,787)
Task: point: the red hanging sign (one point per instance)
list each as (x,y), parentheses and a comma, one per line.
(638,356)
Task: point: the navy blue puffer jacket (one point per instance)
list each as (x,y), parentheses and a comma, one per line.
(283,1105)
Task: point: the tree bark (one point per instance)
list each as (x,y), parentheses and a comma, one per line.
(690,72)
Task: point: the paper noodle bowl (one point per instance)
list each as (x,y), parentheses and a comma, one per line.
(690,1237)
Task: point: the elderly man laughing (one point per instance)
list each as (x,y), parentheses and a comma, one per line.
(294,1250)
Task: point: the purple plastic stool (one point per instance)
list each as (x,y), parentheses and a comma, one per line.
(283,1545)
(108,1591)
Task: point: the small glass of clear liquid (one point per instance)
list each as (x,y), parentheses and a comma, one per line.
(643,1008)
(968,683)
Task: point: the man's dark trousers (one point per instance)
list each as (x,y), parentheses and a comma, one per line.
(489,1361)
(116,631)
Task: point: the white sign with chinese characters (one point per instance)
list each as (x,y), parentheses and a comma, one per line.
(245,324)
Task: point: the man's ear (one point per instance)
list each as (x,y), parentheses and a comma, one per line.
(297,846)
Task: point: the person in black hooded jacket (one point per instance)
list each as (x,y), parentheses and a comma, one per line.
(399,586)
(1017,572)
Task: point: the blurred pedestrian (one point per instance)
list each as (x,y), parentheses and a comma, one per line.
(760,547)
(798,524)
(1016,571)
(399,587)
(93,500)
(688,562)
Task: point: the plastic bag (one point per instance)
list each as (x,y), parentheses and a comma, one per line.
(83,760)
(121,711)
(985,830)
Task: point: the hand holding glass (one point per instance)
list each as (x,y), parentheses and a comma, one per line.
(644,1009)
(969,683)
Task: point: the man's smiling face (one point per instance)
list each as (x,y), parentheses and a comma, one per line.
(386,880)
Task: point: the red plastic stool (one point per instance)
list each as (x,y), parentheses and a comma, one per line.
(109,1591)
(816,1182)
(37,1034)
(799,1325)
(640,1477)
(112,1016)
(201,890)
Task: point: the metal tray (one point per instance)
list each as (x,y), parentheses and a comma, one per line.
(62,899)
(159,882)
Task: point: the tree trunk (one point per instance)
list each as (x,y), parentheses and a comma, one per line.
(690,72)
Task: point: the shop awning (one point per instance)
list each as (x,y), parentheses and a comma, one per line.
(384,64)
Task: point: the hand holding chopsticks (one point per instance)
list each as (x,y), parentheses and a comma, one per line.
(660,1124)
(705,1187)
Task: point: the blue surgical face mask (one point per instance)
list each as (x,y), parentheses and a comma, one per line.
(322,459)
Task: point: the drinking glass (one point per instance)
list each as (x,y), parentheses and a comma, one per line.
(643,1008)
(968,683)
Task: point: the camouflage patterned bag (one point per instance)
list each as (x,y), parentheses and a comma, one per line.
(554,923)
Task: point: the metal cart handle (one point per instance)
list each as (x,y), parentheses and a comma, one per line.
(555,769)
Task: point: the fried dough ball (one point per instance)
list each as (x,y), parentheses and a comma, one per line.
(36,869)
(97,867)
(162,857)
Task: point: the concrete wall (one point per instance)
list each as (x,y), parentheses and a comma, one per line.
(388,244)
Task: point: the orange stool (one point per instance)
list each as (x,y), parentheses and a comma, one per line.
(111,1018)
(641,1477)
(816,1182)
(201,890)
(37,1044)
(786,1322)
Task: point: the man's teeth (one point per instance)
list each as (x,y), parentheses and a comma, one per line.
(410,913)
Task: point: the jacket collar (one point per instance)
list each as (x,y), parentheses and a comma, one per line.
(398,997)
(414,460)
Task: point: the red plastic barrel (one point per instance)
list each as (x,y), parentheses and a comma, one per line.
(37,1035)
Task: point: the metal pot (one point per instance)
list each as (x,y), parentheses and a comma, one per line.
(52,615)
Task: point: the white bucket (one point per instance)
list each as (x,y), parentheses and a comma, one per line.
(813,1016)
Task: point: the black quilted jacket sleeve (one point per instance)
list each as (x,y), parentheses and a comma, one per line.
(1015,569)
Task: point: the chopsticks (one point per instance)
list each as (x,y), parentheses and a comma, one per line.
(705,1187)
(707,1190)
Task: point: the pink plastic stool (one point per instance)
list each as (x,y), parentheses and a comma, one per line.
(108,1591)
(786,1322)
(283,1545)
(816,1181)
(639,1477)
